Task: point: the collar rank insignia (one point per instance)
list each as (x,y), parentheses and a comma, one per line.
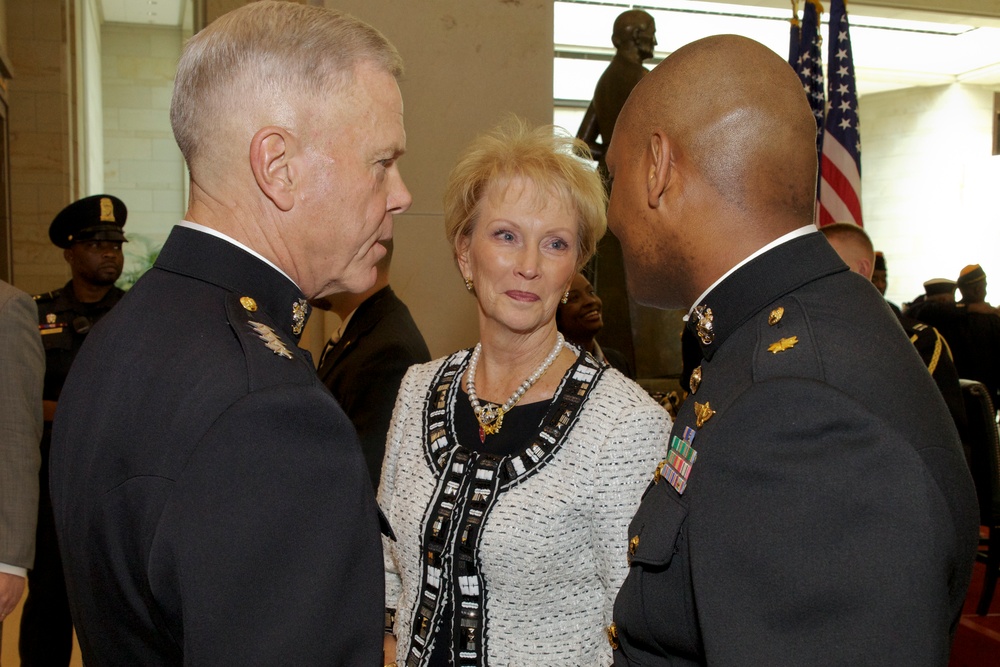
(775,316)
(703,326)
(271,340)
(695,380)
(782,345)
(702,413)
(300,309)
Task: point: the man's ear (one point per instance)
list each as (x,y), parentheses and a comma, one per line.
(659,167)
(271,151)
(69,256)
(865,267)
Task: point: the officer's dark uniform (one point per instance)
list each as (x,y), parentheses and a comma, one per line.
(815,506)
(46,635)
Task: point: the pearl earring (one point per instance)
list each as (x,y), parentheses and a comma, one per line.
(468,284)
(565,298)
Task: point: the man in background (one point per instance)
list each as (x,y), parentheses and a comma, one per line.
(89,231)
(880,278)
(222,512)
(23,368)
(815,506)
(364,362)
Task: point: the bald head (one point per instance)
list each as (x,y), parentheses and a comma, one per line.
(712,158)
(737,112)
(853,245)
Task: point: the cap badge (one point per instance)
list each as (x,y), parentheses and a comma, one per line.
(271,340)
(50,318)
(782,345)
(107,210)
(300,309)
(703,326)
(249,304)
(775,316)
(702,413)
(695,380)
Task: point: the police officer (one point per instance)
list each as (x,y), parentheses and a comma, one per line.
(90,233)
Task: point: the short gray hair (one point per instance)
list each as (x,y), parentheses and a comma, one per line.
(263,53)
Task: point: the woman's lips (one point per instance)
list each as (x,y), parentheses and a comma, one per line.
(517,295)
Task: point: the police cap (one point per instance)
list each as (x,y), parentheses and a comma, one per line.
(94,218)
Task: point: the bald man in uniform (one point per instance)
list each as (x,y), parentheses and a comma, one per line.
(814,506)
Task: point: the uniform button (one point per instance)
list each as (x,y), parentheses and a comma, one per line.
(613,636)
(248,303)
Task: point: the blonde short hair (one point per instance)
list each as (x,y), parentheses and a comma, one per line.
(548,157)
(262,54)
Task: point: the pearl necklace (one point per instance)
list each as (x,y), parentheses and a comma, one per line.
(490,418)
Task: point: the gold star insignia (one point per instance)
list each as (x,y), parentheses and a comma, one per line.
(782,345)
(775,316)
(702,413)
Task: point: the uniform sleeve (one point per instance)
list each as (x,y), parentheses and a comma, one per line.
(268,550)
(625,466)
(23,369)
(824,537)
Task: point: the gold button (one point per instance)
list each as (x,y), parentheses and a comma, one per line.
(248,303)
(613,636)
(775,316)
(633,544)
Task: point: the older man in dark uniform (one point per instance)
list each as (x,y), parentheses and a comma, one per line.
(221,513)
(814,506)
(90,233)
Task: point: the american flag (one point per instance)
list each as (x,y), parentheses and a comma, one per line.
(840,164)
(808,63)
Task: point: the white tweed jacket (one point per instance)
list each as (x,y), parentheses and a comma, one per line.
(542,537)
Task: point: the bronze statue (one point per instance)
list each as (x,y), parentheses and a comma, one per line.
(635,331)
(634,36)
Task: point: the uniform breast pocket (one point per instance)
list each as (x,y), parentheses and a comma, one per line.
(655,533)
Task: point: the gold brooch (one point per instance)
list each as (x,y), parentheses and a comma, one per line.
(782,345)
(775,316)
(702,413)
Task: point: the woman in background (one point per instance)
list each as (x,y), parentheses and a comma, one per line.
(513,469)
(579,319)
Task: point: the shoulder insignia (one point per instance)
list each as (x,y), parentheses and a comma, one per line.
(702,412)
(782,345)
(271,339)
(775,316)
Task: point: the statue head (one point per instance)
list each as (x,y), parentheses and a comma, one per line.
(634,35)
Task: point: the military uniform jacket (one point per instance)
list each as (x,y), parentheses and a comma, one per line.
(828,516)
(365,367)
(64,322)
(210,496)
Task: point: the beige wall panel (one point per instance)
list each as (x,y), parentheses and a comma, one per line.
(467,64)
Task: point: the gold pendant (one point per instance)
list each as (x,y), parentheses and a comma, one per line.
(493,426)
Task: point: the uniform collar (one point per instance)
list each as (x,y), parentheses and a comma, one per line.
(757,283)
(215,260)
